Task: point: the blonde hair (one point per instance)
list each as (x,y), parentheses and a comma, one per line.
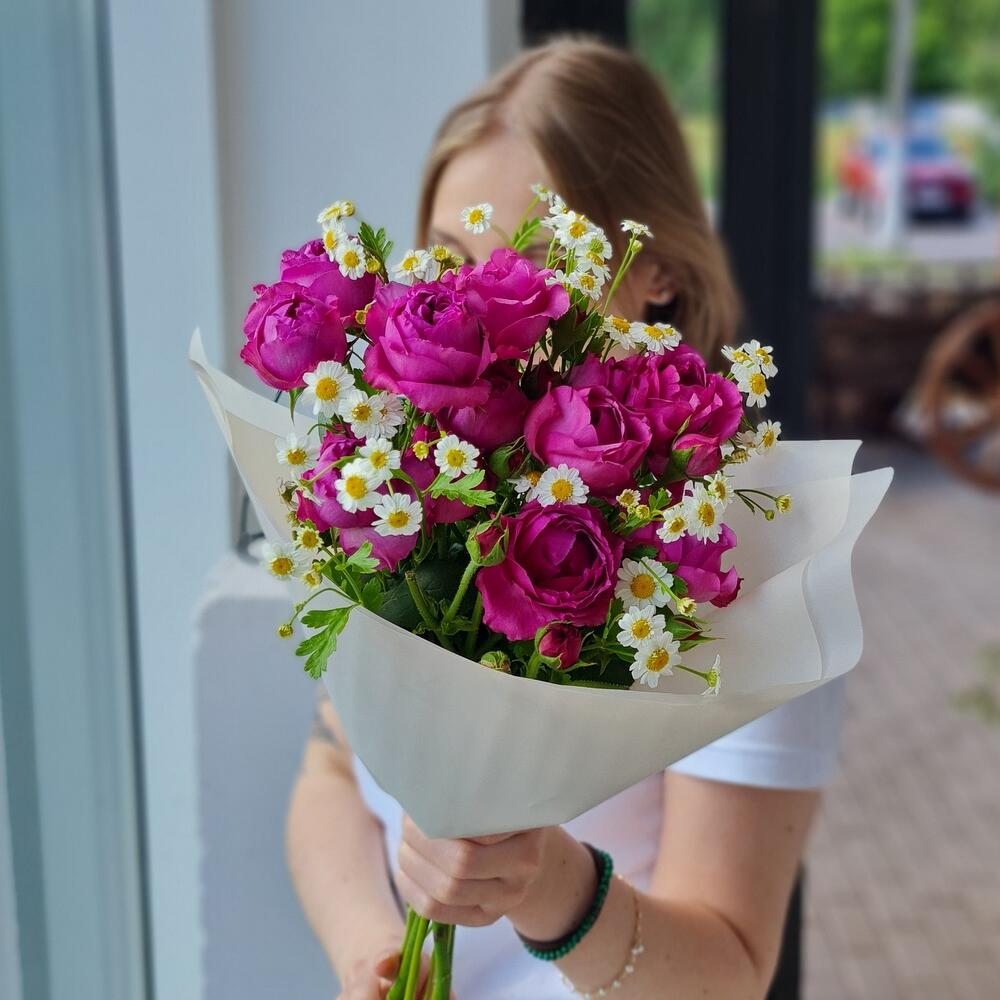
(603,126)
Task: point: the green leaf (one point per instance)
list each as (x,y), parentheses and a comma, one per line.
(437,579)
(319,647)
(501,458)
(677,466)
(371,595)
(524,234)
(362,559)
(463,489)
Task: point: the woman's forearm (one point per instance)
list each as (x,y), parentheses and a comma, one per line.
(337,862)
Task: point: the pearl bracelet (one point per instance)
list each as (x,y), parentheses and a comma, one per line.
(635,950)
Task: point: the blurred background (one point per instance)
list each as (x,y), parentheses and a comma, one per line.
(154,160)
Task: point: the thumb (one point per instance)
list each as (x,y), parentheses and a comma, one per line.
(387,963)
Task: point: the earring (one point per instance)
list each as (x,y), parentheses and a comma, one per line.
(663,297)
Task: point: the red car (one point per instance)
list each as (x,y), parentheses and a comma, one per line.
(937,182)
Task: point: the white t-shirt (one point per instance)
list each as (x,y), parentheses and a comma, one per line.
(793,747)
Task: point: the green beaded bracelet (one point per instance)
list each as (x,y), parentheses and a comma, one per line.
(551,951)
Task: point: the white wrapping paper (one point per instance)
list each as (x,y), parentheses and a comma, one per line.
(468,751)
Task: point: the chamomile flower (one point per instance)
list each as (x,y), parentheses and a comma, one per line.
(573,230)
(295,452)
(397,514)
(714,678)
(307,537)
(737,356)
(334,233)
(620,331)
(388,412)
(326,387)
(283,561)
(356,486)
(654,659)
(676,523)
(361,411)
(527,484)
(416,265)
(476,218)
(421,449)
(720,488)
(767,435)
(628,498)
(753,383)
(594,264)
(561,485)
(762,357)
(335,211)
(587,282)
(636,229)
(350,255)
(379,453)
(312,577)
(655,337)
(542,193)
(704,516)
(599,245)
(455,457)
(639,624)
(747,440)
(644,582)
(783,503)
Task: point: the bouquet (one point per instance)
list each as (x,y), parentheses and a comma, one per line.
(487,468)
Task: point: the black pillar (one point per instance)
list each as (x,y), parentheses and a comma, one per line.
(768,112)
(608,19)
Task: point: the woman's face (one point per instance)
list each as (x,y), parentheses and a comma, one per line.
(501,170)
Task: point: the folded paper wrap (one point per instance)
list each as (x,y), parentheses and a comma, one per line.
(468,751)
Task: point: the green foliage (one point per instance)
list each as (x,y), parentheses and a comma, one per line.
(525,233)
(463,489)
(376,243)
(320,646)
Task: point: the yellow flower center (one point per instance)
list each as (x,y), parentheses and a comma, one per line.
(421,449)
(654,332)
(767,439)
(476,216)
(377,459)
(312,579)
(577,229)
(641,629)
(533,477)
(757,384)
(718,489)
(372,266)
(676,525)
(764,357)
(351,259)
(657,660)
(588,282)
(281,566)
(454,458)
(296,456)
(355,487)
(440,253)
(742,357)
(398,519)
(409,263)
(621,325)
(308,538)
(562,490)
(783,503)
(327,388)
(330,240)
(706,514)
(643,586)
(628,499)
(361,412)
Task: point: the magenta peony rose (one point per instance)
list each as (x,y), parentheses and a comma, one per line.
(427,346)
(563,641)
(514,301)
(699,563)
(497,421)
(310,267)
(561,565)
(590,430)
(289,331)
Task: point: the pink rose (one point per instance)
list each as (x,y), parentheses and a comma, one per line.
(427,346)
(289,332)
(514,300)
(561,565)
(590,430)
(699,563)
(563,641)
(310,267)
(498,420)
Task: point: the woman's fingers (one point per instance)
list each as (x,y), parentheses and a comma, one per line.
(485,858)
(443,913)
(488,894)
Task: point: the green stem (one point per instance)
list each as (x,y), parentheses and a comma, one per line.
(417,948)
(425,613)
(463,586)
(443,941)
(396,991)
(477,618)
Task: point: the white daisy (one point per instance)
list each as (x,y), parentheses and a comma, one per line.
(307,537)
(655,337)
(361,411)
(643,583)
(295,452)
(561,485)
(356,486)
(416,265)
(599,245)
(714,679)
(335,211)
(350,255)
(476,218)
(389,411)
(573,230)
(767,435)
(762,357)
(334,233)
(628,498)
(593,263)
(585,281)
(654,659)
(737,356)
(720,487)
(619,330)
(636,228)
(326,387)
(455,457)
(312,577)
(704,516)
(675,523)
(379,453)
(754,384)
(542,193)
(639,624)
(283,561)
(397,514)
(527,483)
(747,440)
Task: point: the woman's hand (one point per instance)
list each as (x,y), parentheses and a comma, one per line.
(538,879)
(370,976)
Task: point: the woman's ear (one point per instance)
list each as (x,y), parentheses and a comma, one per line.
(654,284)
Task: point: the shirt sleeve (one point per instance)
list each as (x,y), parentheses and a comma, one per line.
(795,746)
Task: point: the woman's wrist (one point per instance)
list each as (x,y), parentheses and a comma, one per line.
(561,895)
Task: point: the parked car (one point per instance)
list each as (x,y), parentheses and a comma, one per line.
(937,183)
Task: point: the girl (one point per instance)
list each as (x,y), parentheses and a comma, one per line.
(709,850)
